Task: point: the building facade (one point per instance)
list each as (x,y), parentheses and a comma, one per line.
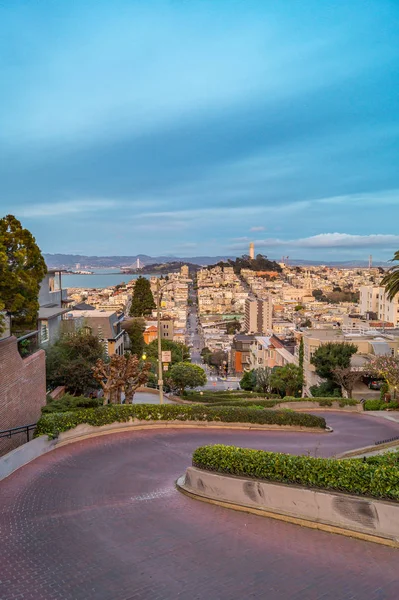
(258,316)
(373,299)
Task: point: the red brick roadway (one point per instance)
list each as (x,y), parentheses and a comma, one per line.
(101,519)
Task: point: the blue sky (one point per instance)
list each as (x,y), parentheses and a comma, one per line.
(191,127)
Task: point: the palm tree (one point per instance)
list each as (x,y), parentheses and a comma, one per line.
(391,279)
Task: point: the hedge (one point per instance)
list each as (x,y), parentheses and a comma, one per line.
(211,397)
(68,402)
(272,403)
(377,404)
(326,401)
(378,478)
(54,423)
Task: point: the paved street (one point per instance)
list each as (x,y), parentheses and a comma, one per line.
(101,519)
(148,398)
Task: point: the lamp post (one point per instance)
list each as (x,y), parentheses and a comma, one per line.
(160,372)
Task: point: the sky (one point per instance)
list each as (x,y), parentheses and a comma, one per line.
(192,127)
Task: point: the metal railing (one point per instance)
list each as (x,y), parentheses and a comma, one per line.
(8,433)
(28,344)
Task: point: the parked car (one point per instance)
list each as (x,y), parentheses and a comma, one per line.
(375,384)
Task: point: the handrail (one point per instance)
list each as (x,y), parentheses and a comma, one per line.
(7,433)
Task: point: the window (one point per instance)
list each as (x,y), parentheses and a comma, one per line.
(44,333)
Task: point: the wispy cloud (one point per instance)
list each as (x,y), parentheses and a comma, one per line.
(58,209)
(331,240)
(260,228)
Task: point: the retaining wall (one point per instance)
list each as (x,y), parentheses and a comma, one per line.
(374,520)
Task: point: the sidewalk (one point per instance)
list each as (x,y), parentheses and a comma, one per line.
(390,415)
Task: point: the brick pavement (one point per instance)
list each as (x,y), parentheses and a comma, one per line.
(101,519)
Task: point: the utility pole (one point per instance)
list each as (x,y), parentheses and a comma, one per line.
(160,373)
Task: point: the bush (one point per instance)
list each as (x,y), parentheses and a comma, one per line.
(326,389)
(327,401)
(52,424)
(210,396)
(68,402)
(376,404)
(377,478)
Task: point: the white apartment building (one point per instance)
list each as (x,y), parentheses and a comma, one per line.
(258,315)
(374,299)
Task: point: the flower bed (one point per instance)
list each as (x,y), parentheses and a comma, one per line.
(376,477)
(52,424)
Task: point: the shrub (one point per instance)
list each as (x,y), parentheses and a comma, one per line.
(69,402)
(250,402)
(210,396)
(376,478)
(376,404)
(52,424)
(328,401)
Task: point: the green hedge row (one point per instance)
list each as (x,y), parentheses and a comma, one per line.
(326,401)
(377,404)
(378,478)
(54,423)
(272,403)
(210,397)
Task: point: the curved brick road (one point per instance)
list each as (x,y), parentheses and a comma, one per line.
(101,519)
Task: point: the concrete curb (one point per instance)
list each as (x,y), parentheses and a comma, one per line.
(31,450)
(360,451)
(366,519)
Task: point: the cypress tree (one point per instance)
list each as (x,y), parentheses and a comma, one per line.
(143,301)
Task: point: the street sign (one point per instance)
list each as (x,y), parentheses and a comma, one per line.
(166,356)
(165,367)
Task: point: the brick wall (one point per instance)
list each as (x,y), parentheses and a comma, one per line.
(22,390)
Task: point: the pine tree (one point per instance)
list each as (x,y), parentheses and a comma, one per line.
(22,269)
(143,301)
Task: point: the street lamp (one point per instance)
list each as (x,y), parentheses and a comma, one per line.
(160,372)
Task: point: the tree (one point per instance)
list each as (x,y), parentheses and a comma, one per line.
(331,355)
(186,375)
(391,279)
(233,327)
(306,324)
(180,352)
(287,380)
(386,367)
(22,268)
(122,374)
(248,381)
(218,358)
(135,328)
(317,294)
(206,355)
(347,378)
(143,300)
(70,361)
(263,377)
(299,307)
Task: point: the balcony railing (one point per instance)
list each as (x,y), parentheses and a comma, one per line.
(28,344)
